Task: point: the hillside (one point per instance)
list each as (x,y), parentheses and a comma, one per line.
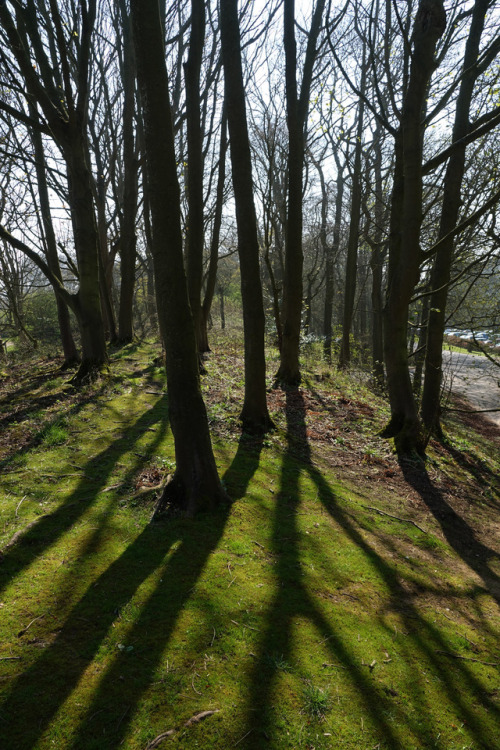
(344,599)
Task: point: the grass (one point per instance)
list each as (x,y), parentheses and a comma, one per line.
(343,600)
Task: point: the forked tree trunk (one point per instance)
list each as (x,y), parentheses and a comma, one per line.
(406,220)
(441,271)
(196,485)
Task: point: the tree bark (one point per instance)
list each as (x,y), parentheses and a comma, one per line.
(450,210)
(296,111)
(214,242)
(405,224)
(254,415)
(128,243)
(196,485)
(353,241)
(195,230)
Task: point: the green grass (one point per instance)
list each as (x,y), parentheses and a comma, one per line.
(300,615)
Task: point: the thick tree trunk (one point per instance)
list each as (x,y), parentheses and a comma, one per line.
(441,271)
(196,485)
(406,219)
(88,301)
(254,415)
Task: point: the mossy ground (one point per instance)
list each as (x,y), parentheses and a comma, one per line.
(343,600)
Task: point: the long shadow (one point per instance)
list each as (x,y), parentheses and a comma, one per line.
(292,600)
(459,535)
(49,682)
(49,528)
(198,539)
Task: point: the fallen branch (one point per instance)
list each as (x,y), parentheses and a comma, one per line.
(469,658)
(396,518)
(23,631)
(242,624)
(20,503)
(193,720)
(9,658)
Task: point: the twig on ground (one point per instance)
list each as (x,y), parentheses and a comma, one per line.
(258,544)
(337,666)
(469,658)
(242,738)
(20,503)
(23,631)
(193,720)
(9,658)
(396,518)
(244,626)
(192,684)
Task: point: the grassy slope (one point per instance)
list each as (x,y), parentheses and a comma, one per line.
(343,600)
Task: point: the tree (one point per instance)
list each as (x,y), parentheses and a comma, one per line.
(297,107)
(254,415)
(451,204)
(196,485)
(405,225)
(58,86)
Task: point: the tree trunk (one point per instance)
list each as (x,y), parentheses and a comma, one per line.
(195,228)
(441,271)
(406,219)
(331,255)
(203,345)
(296,111)
(88,300)
(255,416)
(70,351)
(196,485)
(129,209)
(353,241)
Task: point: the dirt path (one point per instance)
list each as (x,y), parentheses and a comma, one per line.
(476,378)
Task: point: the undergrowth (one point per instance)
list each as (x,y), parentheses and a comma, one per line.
(344,600)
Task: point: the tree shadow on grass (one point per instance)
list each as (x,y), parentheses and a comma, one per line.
(49,528)
(176,552)
(293,600)
(459,535)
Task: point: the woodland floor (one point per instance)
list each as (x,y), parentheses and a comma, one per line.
(346,599)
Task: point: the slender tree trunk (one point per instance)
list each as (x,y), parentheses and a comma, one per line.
(450,210)
(214,243)
(376,265)
(254,415)
(196,485)
(195,228)
(406,219)
(296,110)
(70,351)
(332,254)
(128,253)
(353,241)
